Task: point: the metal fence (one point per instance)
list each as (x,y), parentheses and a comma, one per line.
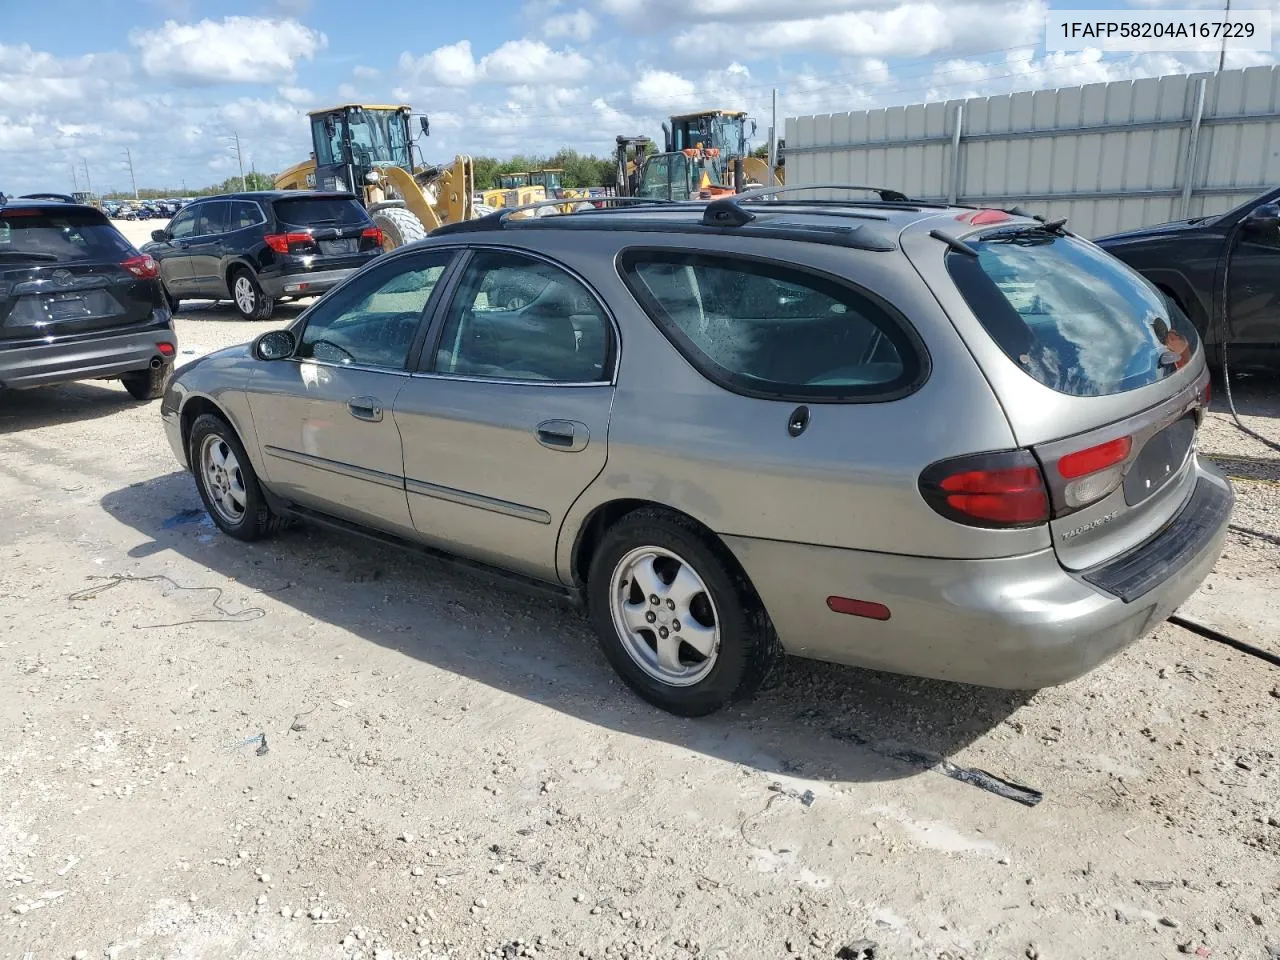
(1108,156)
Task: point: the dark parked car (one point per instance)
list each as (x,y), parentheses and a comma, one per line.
(1194,261)
(255,248)
(78,302)
(937,441)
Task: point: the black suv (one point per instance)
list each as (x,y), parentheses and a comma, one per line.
(78,302)
(256,248)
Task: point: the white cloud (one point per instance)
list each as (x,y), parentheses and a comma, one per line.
(662,89)
(911,29)
(231,50)
(347,92)
(515,62)
(296,94)
(365,73)
(579,25)
(33,78)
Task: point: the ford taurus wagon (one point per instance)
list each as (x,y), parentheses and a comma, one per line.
(933,440)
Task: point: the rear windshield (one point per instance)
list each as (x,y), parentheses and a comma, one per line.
(60,236)
(1070,315)
(316,211)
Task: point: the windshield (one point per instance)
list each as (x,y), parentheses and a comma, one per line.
(1070,315)
(378,136)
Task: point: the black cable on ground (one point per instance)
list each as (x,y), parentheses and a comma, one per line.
(1211,634)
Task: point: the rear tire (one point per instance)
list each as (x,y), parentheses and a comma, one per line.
(226,481)
(399,226)
(148,384)
(248,297)
(725,647)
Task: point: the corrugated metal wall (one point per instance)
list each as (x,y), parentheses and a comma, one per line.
(1108,156)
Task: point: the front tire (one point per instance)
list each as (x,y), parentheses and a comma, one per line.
(226,481)
(399,226)
(149,384)
(247,295)
(675,617)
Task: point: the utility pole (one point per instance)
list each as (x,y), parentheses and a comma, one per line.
(129,157)
(235,138)
(773,141)
(75,180)
(87,181)
(1222,55)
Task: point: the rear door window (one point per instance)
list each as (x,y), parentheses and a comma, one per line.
(244,213)
(776,331)
(321,211)
(1070,315)
(60,236)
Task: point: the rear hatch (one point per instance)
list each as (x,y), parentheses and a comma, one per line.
(66,271)
(323,233)
(1101,375)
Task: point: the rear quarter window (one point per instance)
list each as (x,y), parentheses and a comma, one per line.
(1070,315)
(776,331)
(320,211)
(62,236)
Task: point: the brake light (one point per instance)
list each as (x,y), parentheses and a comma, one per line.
(1104,455)
(280,242)
(372,233)
(983,217)
(142,266)
(999,490)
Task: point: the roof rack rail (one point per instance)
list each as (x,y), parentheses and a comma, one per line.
(885,193)
(498,219)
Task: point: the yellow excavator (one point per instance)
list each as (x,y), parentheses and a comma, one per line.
(368,149)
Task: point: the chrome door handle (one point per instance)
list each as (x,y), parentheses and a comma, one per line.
(567,435)
(365,408)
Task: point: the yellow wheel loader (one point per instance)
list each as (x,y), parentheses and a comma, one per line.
(723,130)
(369,151)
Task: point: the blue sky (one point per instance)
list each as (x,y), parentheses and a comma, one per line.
(171,80)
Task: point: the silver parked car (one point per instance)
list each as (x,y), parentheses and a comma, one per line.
(933,440)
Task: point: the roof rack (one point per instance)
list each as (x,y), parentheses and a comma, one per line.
(498,219)
(885,193)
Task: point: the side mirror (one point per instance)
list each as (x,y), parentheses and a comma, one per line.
(160,236)
(425,123)
(274,345)
(1263,218)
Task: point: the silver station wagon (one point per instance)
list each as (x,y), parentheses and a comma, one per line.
(933,440)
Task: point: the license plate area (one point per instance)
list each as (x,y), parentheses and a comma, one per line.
(1159,461)
(339,247)
(69,307)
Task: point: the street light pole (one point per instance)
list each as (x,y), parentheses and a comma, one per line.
(235,138)
(129,157)
(1222,55)
(87,181)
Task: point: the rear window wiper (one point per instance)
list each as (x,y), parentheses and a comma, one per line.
(28,255)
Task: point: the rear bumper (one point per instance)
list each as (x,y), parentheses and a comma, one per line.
(89,358)
(1017,622)
(302,284)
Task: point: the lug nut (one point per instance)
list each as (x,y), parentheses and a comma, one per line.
(650,616)
(653,598)
(671,604)
(662,632)
(675,625)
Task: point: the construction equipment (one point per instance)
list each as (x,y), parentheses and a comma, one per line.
(368,150)
(723,130)
(694,173)
(534,186)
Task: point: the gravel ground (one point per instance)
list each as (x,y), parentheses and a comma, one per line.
(451,770)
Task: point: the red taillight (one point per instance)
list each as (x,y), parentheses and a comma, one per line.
(372,233)
(1208,394)
(280,242)
(142,266)
(988,490)
(166,349)
(858,608)
(1104,455)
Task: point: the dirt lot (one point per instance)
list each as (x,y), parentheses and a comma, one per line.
(451,769)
